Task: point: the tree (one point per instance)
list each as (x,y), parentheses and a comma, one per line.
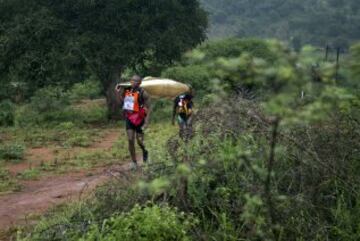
(111,35)
(35,50)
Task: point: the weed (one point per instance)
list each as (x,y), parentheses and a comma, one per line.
(13,152)
(77,140)
(7,182)
(30,174)
(148,223)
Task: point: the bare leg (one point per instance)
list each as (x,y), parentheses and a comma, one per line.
(181,130)
(189,128)
(131,139)
(182,127)
(140,142)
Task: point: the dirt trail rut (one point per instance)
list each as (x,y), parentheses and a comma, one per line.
(38,196)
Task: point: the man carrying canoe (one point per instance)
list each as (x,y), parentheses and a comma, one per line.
(136,106)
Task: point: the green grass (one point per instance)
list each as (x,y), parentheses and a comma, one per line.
(64,137)
(13,152)
(7,182)
(30,174)
(156,138)
(65,134)
(82,140)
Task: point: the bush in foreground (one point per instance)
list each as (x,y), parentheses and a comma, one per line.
(149,223)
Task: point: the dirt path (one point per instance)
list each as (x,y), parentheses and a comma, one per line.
(108,141)
(36,156)
(38,196)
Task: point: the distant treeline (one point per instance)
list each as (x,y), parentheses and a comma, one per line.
(317,22)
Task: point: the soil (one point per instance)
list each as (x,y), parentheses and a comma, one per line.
(36,156)
(108,141)
(36,197)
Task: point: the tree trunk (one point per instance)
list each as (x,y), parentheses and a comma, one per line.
(113,101)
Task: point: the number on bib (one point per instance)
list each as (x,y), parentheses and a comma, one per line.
(129,103)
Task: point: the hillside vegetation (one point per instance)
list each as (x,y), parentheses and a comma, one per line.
(318,22)
(275,156)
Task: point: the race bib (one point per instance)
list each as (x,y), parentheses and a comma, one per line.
(129,103)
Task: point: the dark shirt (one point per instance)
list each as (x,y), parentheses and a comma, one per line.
(189,104)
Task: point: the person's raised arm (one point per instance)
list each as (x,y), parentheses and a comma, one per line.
(119,90)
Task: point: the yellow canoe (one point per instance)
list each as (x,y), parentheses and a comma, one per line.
(161,88)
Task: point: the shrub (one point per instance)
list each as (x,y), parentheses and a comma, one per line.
(161,110)
(89,89)
(26,116)
(30,174)
(68,125)
(47,105)
(236,62)
(7,183)
(13,151)
(149,223)
(198,76)
(50,99)
(57,109)
(239,195)
(93,115)
(78,140)
(7,113)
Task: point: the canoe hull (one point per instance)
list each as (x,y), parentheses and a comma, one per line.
(161,88)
